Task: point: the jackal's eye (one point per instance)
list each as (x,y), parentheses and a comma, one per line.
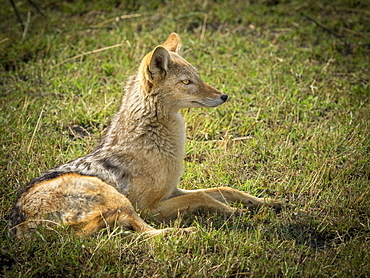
(186,82)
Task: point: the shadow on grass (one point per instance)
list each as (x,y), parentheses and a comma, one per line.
(303,234)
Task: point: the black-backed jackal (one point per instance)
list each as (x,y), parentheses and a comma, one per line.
(138,162)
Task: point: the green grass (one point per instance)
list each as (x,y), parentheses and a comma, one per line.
(296,128)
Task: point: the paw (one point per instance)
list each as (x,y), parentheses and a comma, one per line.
(277,205)
(273,202)
(258,202)
(185,230)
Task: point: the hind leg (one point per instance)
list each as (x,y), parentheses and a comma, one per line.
(84,203)
(126,218)
(114,209)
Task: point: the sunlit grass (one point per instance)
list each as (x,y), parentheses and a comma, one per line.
(295,128)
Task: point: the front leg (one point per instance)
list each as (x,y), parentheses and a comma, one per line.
(186,202)
(230,195)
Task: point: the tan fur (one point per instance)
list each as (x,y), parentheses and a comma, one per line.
(138,162)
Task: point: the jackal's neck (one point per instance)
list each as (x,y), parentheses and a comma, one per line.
(143,122)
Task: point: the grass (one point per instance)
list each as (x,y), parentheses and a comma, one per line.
(296,128)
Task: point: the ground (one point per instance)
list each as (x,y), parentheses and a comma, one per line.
(295,128)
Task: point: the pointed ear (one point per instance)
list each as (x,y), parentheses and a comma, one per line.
(172,43)
(159,62)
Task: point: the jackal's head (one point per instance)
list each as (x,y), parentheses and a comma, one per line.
(174,81)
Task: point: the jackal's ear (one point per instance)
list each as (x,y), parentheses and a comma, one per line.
(158,64)
(172,43)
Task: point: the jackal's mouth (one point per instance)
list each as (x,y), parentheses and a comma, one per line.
(198,103)
(209,102)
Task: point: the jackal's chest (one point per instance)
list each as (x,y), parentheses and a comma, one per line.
(153,179)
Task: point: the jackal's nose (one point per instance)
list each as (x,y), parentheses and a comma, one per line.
(224,97)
